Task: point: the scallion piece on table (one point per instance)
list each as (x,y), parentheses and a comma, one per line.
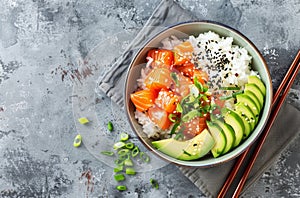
(124,136)
(135,151)
(108,153)
(123,152)
(130,171)
(77,141)
(83,120)
(110,126)
(118,169)
(121,188)
(119,162)
(154,183)
(119,177)
(124,156)
(118,145)
(144,157)
(129,145)
(128,162)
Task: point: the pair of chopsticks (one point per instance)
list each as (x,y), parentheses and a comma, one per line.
(278,100)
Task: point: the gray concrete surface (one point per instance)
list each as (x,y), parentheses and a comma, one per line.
(40,39)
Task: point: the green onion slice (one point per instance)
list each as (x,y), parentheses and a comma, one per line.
(185,152)
(121,188)
(110,126)
(135,151)
(128,162)
(83,120)
(119,177)
(179,108)
(118,169)
(118,145)
(154,183)
(124,136)
(108,153)
(124,156)
(130,171)
(77,141)
(144,157)
(198,84)
(123,152)
(172,117)
(119,162)
(129,145)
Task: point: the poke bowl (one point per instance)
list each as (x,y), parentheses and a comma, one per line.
(198,94)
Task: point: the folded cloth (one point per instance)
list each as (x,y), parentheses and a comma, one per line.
(208,180)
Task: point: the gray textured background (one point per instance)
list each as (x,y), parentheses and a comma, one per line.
(40,39)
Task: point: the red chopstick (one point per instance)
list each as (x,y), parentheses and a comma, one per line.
(241,159)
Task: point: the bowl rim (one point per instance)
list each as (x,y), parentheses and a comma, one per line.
(196,163)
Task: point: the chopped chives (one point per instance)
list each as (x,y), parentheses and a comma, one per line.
(172,117)
(121,188)
(118,169)
(130,171)
(129,145)
(119,162)
(124,136)
(77,141)
(119,177)
(123,152)
(118,145)
(144,157)
(110,126)
(154,183)
(83,120)
(124,157)
(135,151)
(108,153)
(128,162)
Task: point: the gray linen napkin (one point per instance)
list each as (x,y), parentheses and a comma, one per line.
(208,180)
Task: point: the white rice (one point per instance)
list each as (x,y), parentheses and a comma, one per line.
(226,64)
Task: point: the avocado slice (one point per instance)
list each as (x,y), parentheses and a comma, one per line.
(247,101)
(246,112)
(254,98)
(219,138)
(256,91)
(234,120)
(255,80)
(191,149)
(247,125)
(229,133)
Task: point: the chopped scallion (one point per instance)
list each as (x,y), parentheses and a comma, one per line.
(119,177)
(108,153)
(118,169)
(118,145)
(121,188)
(110,126)
(119,162)
(135,151)
(172,117)
(124,136)
(123,152)
(179,108)
(144,157)
(77,141)
(83,120)
(128,162)
(173,130)
(130,171)
(129,145)
(154,183)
